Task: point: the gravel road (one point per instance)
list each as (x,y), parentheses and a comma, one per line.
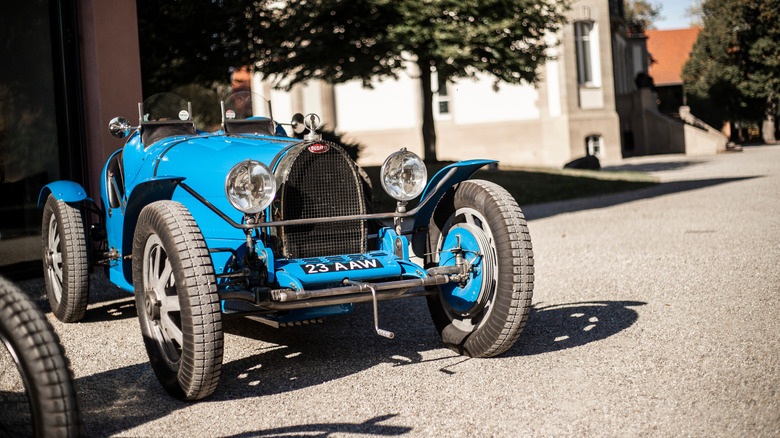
(655,314)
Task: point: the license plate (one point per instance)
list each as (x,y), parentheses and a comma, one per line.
(352,265)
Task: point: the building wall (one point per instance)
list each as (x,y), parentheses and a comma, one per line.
(111,76)
(481,122)
(591,108)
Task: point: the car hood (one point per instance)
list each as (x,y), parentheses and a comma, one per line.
(203,163)
(215,155)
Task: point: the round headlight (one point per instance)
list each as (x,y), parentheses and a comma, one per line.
(403,175)
(250,186)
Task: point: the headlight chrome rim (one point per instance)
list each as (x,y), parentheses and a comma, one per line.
(256,188)
(403,175)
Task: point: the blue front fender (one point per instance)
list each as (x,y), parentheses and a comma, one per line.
(66,191)
(461,171)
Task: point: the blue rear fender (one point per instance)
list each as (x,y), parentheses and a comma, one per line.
(461,171)
(66,191)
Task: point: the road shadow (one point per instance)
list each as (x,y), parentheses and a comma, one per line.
(118,400)
(101,290)
(307,355)
(540,211)
(558,327)
(290,359)
(113,310)
(285,360)
(663,166)
(368,427)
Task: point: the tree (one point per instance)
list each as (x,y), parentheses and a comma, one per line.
(735,62)
(641,15)
(339,41)
(184,42)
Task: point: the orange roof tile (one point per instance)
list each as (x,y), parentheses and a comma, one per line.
(669,49)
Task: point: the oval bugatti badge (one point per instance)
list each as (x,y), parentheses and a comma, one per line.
(319,148)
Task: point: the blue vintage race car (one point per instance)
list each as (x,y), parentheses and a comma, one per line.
(249,221)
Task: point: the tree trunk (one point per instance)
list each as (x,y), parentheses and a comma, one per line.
(768,127)
(428,125)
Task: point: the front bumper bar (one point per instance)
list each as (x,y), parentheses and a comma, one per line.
(291,299)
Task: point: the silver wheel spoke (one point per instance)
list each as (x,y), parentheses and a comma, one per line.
(170,331)
(58,276)
(163,281)
(154,266)
(55,264)
(54,235)
(159,282)
(170,304)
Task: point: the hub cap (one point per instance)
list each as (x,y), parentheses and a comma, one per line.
(468,303)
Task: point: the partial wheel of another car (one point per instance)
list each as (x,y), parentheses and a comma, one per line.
(41,399)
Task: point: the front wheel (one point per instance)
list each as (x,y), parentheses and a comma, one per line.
(483,314)
(177,301)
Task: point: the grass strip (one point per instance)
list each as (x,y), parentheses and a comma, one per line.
(537,185)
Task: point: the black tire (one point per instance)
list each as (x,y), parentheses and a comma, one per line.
(65,265)
(43,401)
(181,319)
(490,324)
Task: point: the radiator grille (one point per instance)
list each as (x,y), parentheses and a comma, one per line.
(324,184)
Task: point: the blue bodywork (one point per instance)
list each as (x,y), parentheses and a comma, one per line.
(139,174)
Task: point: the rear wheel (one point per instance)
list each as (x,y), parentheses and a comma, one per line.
(177,301)
(41,399)
(483,315)
(65,266)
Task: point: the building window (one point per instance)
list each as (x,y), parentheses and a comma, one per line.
(594,145)
(586,46)
(442,97)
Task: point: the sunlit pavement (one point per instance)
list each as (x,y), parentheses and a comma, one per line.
(655,314)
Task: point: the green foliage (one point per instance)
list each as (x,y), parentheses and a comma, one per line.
(641,14)
(338,41)
(536,186)
(185,42)
(734,69)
